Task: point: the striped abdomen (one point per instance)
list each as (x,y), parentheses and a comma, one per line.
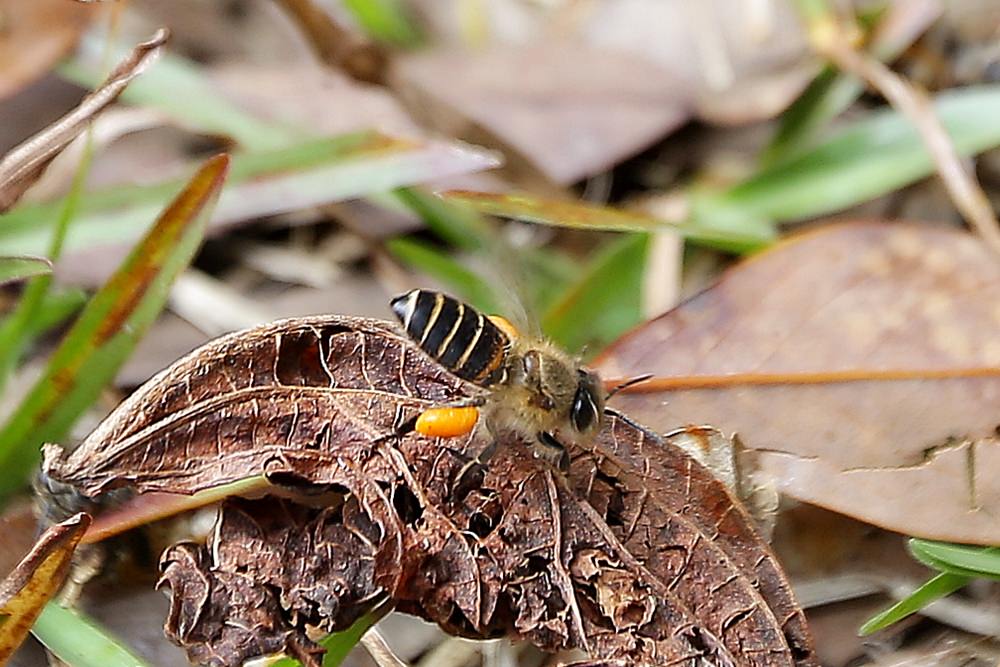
(454,334)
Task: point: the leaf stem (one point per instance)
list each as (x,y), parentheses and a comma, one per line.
(682,382)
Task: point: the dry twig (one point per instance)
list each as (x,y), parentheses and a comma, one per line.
(380,650)
(333,44)
(834,42)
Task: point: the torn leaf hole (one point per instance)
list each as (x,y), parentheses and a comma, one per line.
(534,564)
(462,626)
(481,524)
(469,478)
(331,330)
(615,513)
(291,479)
(406,504)
(696,640)
(602,476)
(299,360)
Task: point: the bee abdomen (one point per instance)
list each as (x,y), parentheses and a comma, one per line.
(454,334)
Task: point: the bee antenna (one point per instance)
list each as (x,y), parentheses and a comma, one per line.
(628,383)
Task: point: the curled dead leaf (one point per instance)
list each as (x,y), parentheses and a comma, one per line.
(640,555)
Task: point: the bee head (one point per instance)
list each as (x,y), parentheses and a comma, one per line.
(588,402)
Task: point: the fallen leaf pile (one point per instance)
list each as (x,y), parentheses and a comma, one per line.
(640,556)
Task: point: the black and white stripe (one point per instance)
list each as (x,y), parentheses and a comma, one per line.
(454,334)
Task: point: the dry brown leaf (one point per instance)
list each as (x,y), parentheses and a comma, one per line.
(733,62)
(567,110)
(307,93)
(644,554)
(743,62)
(35,580)
(913,455)
(24,164)
(736,62)
(172,337)
(35,36)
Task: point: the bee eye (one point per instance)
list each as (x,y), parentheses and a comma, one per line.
(584,411)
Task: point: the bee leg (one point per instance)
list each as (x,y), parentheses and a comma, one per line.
(399,430)
(553,452)
(470,475)
(57,501)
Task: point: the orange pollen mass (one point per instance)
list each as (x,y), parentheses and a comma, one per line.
(447,422)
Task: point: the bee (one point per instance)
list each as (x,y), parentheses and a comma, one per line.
(537,391)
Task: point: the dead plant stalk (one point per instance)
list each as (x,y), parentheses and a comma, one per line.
(833,42)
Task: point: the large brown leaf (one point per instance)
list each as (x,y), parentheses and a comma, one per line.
(640,555)
(567,110)
(913,306)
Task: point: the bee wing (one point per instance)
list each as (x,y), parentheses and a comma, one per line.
(511,289)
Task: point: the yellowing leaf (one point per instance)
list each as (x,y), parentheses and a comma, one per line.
(35,580)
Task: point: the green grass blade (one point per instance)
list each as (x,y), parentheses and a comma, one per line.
(439,265)
(57,307)
(455,224)
(943,566)
(958,558)
(933,589)
(14,331)
(177,87)
(747,234)
(871,157)
(261,183)
(338,644)
(604,302)
(79,641)
(825,97)
(19,268)
(386,21)
(831,92)
(109,327)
